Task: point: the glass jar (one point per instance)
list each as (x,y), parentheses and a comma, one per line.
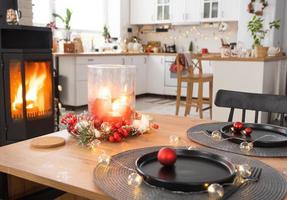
(111,92)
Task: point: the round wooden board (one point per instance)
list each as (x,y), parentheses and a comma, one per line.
(48,142)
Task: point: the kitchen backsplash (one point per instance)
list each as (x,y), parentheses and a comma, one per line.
(202,36)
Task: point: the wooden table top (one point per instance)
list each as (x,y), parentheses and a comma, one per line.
(70,168)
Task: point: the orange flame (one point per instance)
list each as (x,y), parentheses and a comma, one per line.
(34,85)
(38,89)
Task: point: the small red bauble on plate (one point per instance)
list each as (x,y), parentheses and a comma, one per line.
(166,156)
(247,131)
(238,126)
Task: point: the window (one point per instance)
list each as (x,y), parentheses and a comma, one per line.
(41,12)
(88,15)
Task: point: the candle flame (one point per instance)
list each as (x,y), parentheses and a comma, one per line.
(123,100)
(116,106)
(119,103)
(105,93)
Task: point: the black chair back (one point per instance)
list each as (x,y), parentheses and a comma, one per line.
(251,101)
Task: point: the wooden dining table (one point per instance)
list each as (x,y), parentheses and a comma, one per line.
(70,168)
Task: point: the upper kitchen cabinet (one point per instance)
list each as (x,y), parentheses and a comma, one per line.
(210,10)
(163,11)
(142,12)
(185,12)
(219,10)
(229,10)
(150,11)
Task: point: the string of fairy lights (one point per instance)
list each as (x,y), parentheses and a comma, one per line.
(197,33)
(215,190)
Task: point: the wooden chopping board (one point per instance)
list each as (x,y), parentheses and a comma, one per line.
(48,142)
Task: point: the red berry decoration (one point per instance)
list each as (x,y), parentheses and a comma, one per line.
(155,126)
(112,139)
(166,156)
(117,136)
(238,126)
(125,133)
(118,125)
(248,131)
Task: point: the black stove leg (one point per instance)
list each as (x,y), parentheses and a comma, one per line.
(3,187)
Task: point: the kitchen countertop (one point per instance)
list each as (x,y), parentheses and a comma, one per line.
(217,57)
(208,57)
(113,54)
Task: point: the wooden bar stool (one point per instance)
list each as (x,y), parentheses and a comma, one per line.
(191,75)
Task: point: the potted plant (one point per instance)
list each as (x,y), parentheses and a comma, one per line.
(66,20)
(69,46)
(106,34)
(258,32)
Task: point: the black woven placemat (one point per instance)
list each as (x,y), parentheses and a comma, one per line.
(113,180)
(197,135)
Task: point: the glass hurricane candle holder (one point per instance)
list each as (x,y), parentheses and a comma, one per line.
(111,92)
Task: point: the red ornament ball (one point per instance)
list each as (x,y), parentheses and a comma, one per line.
(248,131)
(238,126)
(166,156)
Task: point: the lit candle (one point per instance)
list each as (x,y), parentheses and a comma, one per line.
(102,104)
(126,109)
(114,116)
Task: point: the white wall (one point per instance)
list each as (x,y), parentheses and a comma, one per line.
(285,29)
(118,17)
(273,11)
(125,18)
(27,15)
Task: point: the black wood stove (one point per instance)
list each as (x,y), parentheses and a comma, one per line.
(26,80)
(27,86)
(27,92)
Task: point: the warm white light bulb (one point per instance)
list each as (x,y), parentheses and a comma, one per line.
(134,179)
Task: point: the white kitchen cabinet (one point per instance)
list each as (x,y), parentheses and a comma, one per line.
(229,10)
(141,72)
(185,12)
(142,12)
(220,10)
(163,11)
(155,74)
(67,79)
(210,10)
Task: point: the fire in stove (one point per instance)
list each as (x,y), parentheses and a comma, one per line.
(38,90)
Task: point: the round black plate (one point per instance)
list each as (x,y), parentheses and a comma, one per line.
(193,170)
(279,135)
